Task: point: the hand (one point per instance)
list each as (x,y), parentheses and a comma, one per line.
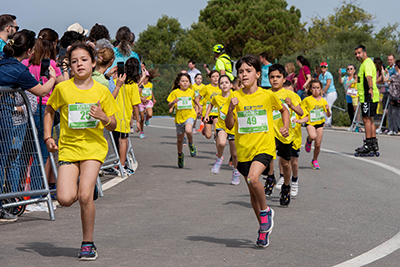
(371,92)
(144,100)
(175,101)
(206,119)
(96,111)
(199,113)
(288,101)
(52,72)
(154,101)
(51,145)
(205,66)
(284,131)
(120,80)
(234,103)
(295,121)
(112,71)
(138,126)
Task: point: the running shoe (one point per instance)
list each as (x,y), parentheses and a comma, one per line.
(201,128)
(181,160)
(295,189)
(142,136)
(269,185)
(193,150)
(128,171)
(7,217)
(132,130)
(147,122)
(95,193)
(307,146)
(235,177)
(280,183)
(231,162)
(315,165)
(88,252)
(267,221)
(262,240)
(184,141)
(285,195)
(217,166)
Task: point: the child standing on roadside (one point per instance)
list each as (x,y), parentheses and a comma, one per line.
(223,133)
(249,110)
(316,107)
(86,108)
(183,99)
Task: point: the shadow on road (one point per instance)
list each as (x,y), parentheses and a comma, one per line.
(239,203)
(230,242)
(49,250)
(207,183)
(168,166)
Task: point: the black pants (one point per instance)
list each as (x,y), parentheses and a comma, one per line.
(350,110)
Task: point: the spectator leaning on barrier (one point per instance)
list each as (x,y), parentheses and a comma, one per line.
(394,105)
(8,26)
(265,70)
(193,71)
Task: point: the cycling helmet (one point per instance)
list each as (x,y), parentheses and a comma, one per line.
(219,49)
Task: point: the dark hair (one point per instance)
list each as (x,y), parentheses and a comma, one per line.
(264,55)
(355,68)
(287,84)
(304,61)
(83,46)
(198,75)
(99,32)
(44,46)
(397,63)
(250,60)
(392,56)
(362,47)
(192,61)
(153,73)
(211,73)
(132,70)
(6,20)
(69,38)
(21,42)
(178,78)
(378,64)
(224,76)
(279,68)
(124,37)
(309,92)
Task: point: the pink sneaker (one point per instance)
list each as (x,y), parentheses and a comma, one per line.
(217,166)
(307,146)
(315,165)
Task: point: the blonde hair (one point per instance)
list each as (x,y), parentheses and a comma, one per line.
(290,67)
(104,56)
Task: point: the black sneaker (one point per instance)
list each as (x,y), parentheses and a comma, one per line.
(285,195)
(181,161)
(96,192)
(269,185)
(88,252)
(6,216)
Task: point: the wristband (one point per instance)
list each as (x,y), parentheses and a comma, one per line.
(45,140)
(108,123)
(52,77)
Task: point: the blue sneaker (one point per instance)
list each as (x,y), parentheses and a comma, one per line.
(147,122)
(267,221)
(181,161)
(263,239)
(193,150)
(88,252)
(142,136)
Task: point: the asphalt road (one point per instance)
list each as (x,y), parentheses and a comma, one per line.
(165,216)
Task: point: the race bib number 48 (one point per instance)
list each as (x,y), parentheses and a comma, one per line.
(252,121)
(79,118)
(316,115)
(184,103)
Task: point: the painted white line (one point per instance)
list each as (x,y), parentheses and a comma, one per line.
(162,127)
(116,180)
(383,249)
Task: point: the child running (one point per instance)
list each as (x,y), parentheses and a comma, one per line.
(277,76)
(86,108)
(223,133)
(197,87)
(315,107)
(128,100)
(182,98)
(250,112)
(208,93)
(147,102)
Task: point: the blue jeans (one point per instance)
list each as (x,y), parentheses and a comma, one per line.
(14,163)
(301,94)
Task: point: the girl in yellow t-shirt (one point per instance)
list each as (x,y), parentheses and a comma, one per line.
(183,100)
(147,100)
(315,107)
(223,133)
(197,87)
(207,94)
(86,108)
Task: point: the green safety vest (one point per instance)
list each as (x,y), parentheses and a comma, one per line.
(227,64)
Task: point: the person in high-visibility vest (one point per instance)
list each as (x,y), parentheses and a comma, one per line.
(223,64)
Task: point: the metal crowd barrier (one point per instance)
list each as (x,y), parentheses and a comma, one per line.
(22,172)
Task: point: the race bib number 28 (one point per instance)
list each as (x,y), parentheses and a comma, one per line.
(79,118)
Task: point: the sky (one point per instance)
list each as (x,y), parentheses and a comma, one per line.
(137,15)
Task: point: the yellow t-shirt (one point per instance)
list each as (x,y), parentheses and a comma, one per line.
(128,96)
(147,91)
(185,107)
(315,109)
(78,142)
(219,101)
(208,93)
(282,94)
(197,88)
(254,133)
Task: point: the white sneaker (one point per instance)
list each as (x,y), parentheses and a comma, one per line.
(295,189)
(390,133)
(378,131)
(235,177)
(280,183)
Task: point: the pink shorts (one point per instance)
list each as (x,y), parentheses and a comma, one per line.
(148,105)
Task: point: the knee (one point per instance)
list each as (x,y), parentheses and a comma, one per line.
(65,201)
(85,197)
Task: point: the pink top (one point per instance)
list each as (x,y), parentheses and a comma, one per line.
(302,77)
(35,70)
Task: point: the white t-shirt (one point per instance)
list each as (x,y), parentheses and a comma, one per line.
(193,73)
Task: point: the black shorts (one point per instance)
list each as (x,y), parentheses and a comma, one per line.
(211,119)
(229,137)
(368,109)
(317,125)
(266,87)
(117,136)
(244,167)
(295,153)
(284,150)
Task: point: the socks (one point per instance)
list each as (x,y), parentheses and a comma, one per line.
(294,179)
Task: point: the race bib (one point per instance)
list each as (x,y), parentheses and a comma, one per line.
(277,114)
(79,118)
(214,109)
(221,114)
(293,117)
(352,92)
(316,115)
(184,103)
(252,121)
(196,93)
(146,92)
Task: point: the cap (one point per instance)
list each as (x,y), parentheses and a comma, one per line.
(219,48)
(323,64)
(76,27)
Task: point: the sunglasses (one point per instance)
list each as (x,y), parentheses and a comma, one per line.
(15,27)
(350,69)
(324,67)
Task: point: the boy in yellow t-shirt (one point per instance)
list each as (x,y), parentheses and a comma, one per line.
(183,100)
(249,110)
(277,77)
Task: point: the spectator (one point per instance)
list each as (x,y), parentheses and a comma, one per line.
(328,90)
(264,70)
(291,75)
(8,26)
(317,72)
(192,71)
(304,77)
(123,51)
(223,64)
(391,65)
(98,32)
(381,80)
(349,82)
(394,107)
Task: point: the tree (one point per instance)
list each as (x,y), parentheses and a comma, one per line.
(157,43)
(244,26)
(390,35)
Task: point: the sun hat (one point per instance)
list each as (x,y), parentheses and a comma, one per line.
(76,27)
